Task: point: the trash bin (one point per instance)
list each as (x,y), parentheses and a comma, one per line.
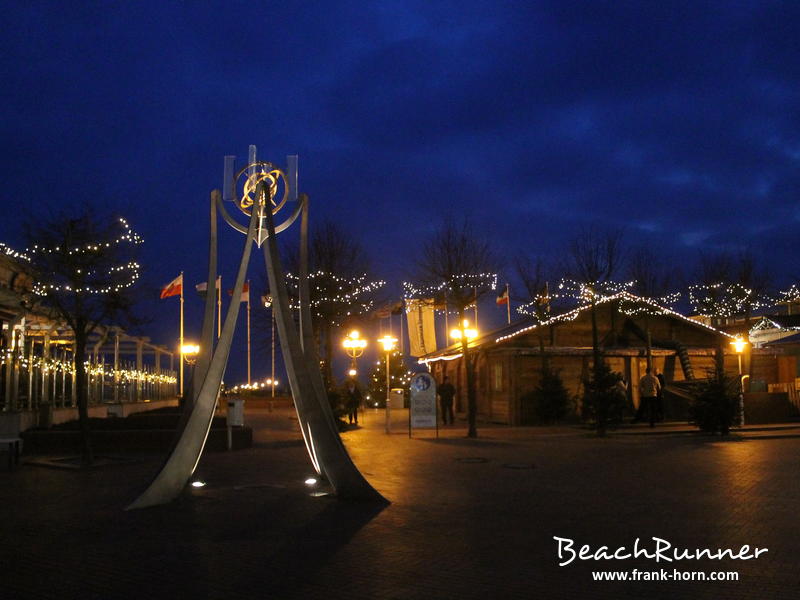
(235,412)
(396,397)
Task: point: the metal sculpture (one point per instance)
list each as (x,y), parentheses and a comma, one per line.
(260,182)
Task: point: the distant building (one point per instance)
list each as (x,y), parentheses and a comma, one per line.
(126,373)
(509,359)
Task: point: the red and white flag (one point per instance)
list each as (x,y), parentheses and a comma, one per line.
(502,298)
(245,292)
(173,288)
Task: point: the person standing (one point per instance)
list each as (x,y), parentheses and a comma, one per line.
(353,401)
(649,388)
(446,393)
(662,382)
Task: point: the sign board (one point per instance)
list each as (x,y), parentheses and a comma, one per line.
(422,413)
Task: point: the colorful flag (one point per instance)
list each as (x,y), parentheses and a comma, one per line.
(502,298)
(173,288)
(245,292)
(202,288)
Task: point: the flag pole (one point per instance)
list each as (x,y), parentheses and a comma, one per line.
(508,302)
(219,306)
(272,354)
(402,345)
(248,332)
(446,324)
(180,341)
(475,299)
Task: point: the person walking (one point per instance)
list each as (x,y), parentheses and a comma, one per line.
(446,393)
(649,388)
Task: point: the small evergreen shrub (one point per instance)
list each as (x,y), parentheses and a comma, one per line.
(601,401)
(550,402)
(716,403)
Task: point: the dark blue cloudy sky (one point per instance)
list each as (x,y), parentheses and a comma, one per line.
(678,120)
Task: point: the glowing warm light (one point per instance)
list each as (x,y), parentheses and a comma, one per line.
(388,342)
(465,330)
(739,345)
(190,349)
(198,484)
(353,344)
(352,372)
(311,481)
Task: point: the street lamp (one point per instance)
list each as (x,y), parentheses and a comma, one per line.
(739,344)
(465,331)
(388,343)
(354,347)
(189,353)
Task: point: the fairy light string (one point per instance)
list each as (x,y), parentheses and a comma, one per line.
(113,279)
(723,300)
(439,294)
(334,297)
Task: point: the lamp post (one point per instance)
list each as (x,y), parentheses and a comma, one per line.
(739,345)
(464,335)
(354,347)
(465,331)
(388,343)
(189,353)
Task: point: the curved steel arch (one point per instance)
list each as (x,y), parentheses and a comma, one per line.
(325,447)
(302,367)
(182,461)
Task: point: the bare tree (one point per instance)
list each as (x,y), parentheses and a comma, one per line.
(83,267)
(461,261)
(595,258)
(341,287)
(730,285)
(653,279)
(532,275)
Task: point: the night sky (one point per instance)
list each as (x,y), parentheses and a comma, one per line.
(679,121)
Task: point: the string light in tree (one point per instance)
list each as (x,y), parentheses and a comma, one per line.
(457,284)
(334,297)
(723,300)
(791,295)
(570,290)
(113,279)
(127,235)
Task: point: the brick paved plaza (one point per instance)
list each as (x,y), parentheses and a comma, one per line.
(468,519)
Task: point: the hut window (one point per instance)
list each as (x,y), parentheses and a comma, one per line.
(497,377)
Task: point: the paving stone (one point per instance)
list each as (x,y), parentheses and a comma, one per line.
(455,529)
